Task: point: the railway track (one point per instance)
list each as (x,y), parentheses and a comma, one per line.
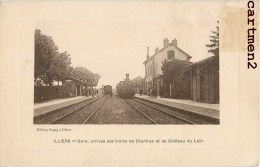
(53,116)
(87,112)
(167,112)
(81,115)
(184,117)
(117,111)
(191,117)
(88,118)
(157,115)
(152,121)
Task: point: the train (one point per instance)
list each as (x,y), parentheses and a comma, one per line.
(108,90)
(125,88)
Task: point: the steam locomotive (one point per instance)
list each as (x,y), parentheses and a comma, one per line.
(125,88)
(108,90)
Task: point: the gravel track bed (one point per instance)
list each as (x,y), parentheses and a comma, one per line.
(79,116)
(158,116)
(178,113)
(116,111)
(61,112)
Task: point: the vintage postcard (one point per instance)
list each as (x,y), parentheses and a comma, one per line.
(129,83)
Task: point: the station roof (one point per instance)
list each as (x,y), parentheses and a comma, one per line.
(75,79)
(203,61)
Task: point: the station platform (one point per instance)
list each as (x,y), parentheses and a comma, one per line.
(48,106)
(206,109)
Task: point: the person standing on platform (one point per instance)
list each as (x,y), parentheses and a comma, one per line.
(155,93)
(141,92)
(152,92)
(161,92)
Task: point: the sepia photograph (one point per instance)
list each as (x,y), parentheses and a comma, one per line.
(127,71)
(110,83)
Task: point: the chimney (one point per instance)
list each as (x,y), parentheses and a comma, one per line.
(127,77)
(147,53)
(156,50)
(174,42)
(165,42)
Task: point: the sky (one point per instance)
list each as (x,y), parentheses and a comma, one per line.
(111,39)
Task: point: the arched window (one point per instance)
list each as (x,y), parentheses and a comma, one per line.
(170,55)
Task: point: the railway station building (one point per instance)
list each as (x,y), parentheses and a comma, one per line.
(77,87)
(205,80)
(153,64)
(70,87)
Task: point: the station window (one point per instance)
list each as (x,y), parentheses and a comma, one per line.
(170,55)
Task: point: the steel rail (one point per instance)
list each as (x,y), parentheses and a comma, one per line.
(94,111)
(56,120)
(142,113)
(176,116)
